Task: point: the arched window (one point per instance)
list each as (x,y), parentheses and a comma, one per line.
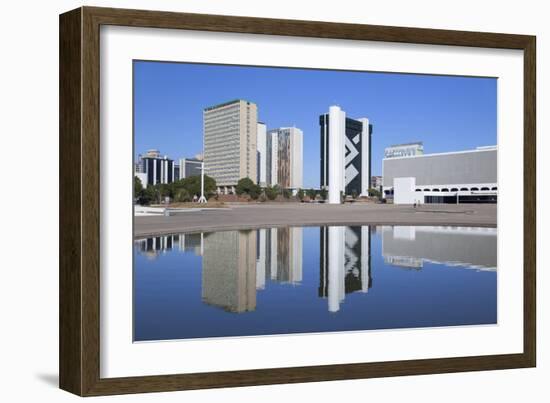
(494,188)
(484,188)
(474,189)
(454,190)
(435,190)
(418,190)
(463,189)
(426,190)
(444,190)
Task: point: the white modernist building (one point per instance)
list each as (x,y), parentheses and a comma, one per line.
(345,154)
(453,177)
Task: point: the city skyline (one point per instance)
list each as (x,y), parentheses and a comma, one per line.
(446,113)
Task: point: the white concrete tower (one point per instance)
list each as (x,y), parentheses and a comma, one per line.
(365,258)
(336,146)
(336,284)
(262,150)
(365,157)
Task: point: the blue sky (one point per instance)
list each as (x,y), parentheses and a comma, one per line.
(446,113)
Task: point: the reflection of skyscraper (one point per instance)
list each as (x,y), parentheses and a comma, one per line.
(279,256)
(229,270)
(345,263)
(152,247)
(289,256)
(261,263)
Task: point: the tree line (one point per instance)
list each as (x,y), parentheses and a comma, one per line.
(189,189)
(182,190)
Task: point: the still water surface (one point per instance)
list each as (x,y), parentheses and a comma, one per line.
(313,279)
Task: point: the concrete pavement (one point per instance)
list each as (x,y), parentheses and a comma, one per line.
(247,216)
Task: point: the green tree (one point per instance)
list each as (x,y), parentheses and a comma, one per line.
(374,193)
(287,193)
(271,192)
(138,187)
(323,193)
(147,195)
(182,195)
(192,185)
(164,190)
(255,192)
(245,186)
(300,194)
(311,193)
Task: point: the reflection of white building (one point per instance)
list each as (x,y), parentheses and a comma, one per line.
(279,255)
(453,177)
(153,246)
(345,263)
(411,247)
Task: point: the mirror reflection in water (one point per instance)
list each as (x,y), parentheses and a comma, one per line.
(313,279)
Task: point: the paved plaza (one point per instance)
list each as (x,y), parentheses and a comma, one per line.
(247,216)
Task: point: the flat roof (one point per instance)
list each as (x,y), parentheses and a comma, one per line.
(416,143)
(233,101)
(475,150)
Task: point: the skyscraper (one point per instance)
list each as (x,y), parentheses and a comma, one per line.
(284,157)
(345,154)
(189,167)
(157,169)
(230,149)
(262,154)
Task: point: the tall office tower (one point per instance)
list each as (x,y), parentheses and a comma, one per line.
(272,160)
(286,144)
(345,263)
(157,169)
(262,154)
(229,270)
(345,154)
(230,150)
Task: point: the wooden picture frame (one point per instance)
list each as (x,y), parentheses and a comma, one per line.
(80,199)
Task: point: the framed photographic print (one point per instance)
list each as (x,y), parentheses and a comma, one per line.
(249,201)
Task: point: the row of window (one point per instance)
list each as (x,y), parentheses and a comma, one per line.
(472,189)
